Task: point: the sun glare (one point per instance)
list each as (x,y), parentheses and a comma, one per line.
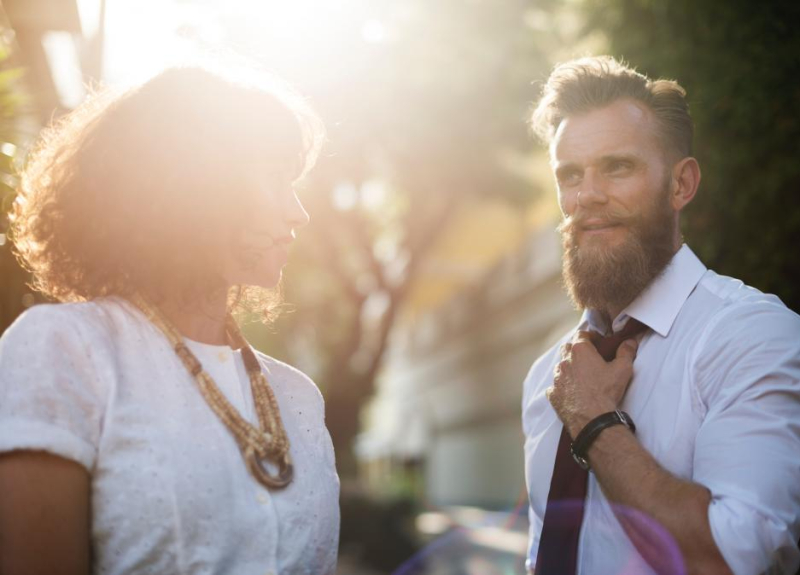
(142,38)
(146,36)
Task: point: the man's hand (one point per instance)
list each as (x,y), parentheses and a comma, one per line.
(585,385)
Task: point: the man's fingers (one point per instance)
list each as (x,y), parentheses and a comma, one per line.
(627,351)
(587,336)
(587,339)
(582,335)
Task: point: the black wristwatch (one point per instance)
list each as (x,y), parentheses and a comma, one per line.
(588,434)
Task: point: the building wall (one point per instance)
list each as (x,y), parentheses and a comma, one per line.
(478,465)
(452,389)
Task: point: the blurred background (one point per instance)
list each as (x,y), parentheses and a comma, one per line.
(429,278)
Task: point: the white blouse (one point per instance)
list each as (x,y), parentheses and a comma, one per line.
(98,384)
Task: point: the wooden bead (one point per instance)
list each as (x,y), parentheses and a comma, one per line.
(266,442)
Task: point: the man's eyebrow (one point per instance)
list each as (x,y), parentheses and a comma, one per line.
(617,156)
(620,157)
(560,167)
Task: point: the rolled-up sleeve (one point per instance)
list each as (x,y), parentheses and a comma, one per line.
(50,393)
(747,379)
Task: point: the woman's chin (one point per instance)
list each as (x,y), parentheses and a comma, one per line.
(270,280)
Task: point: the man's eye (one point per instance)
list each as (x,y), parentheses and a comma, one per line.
(620,166)
(569,178)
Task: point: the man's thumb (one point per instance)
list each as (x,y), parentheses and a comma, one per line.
(627,350)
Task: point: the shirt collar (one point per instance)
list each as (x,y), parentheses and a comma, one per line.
(661,301)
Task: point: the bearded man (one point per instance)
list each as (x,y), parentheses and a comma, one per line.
(662,435)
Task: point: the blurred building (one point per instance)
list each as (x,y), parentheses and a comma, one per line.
(446,420)
(59,44)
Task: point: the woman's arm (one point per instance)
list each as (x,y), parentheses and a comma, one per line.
(44,515)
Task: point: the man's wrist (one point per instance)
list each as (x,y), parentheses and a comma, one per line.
(579,421)
(608,443)
(590,433)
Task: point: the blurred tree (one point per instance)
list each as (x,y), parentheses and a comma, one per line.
(740,64)
(422,131)
(14,294)
(28,97)
(428,102)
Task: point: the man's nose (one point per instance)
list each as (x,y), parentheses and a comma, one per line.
(592,190)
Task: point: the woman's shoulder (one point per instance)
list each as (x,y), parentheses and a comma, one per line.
(44,319)
(70,321)
(55,381)
(289,376)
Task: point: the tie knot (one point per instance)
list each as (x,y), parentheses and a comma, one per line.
(607,346)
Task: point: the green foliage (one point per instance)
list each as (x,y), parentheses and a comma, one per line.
(13,291)
(740,64)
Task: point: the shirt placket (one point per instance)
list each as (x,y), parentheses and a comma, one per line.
(266,504)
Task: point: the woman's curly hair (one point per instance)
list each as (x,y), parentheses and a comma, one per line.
(140,191)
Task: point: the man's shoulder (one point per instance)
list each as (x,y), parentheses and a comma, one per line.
(744,339)
(731,290)
(738,325)
(729,302)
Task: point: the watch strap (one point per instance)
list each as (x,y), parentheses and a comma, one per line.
(589,434)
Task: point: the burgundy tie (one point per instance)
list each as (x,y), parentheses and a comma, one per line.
(558,545)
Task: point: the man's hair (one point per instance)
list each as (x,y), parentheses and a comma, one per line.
(140,192)
(587,84)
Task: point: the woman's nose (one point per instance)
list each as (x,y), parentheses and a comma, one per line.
(296,214)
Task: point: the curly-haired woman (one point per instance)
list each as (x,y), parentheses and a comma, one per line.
(139,432)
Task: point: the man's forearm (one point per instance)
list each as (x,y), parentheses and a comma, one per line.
(629,476)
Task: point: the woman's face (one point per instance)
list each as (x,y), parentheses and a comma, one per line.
(260,246)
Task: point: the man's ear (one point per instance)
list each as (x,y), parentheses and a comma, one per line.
(685,180)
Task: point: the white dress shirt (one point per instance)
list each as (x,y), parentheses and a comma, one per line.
(98,384)
(715,397)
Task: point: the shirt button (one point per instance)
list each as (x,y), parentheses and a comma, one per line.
(262,498)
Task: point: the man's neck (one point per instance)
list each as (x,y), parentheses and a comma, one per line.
(606,317)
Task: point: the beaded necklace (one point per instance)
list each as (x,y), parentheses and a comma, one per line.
(258,445)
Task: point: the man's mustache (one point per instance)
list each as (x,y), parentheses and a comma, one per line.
(612,216)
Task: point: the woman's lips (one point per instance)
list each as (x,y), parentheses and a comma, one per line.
(269,243)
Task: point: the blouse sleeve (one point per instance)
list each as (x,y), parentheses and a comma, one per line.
(50,391)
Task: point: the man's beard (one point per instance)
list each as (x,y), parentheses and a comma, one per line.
(605,278)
